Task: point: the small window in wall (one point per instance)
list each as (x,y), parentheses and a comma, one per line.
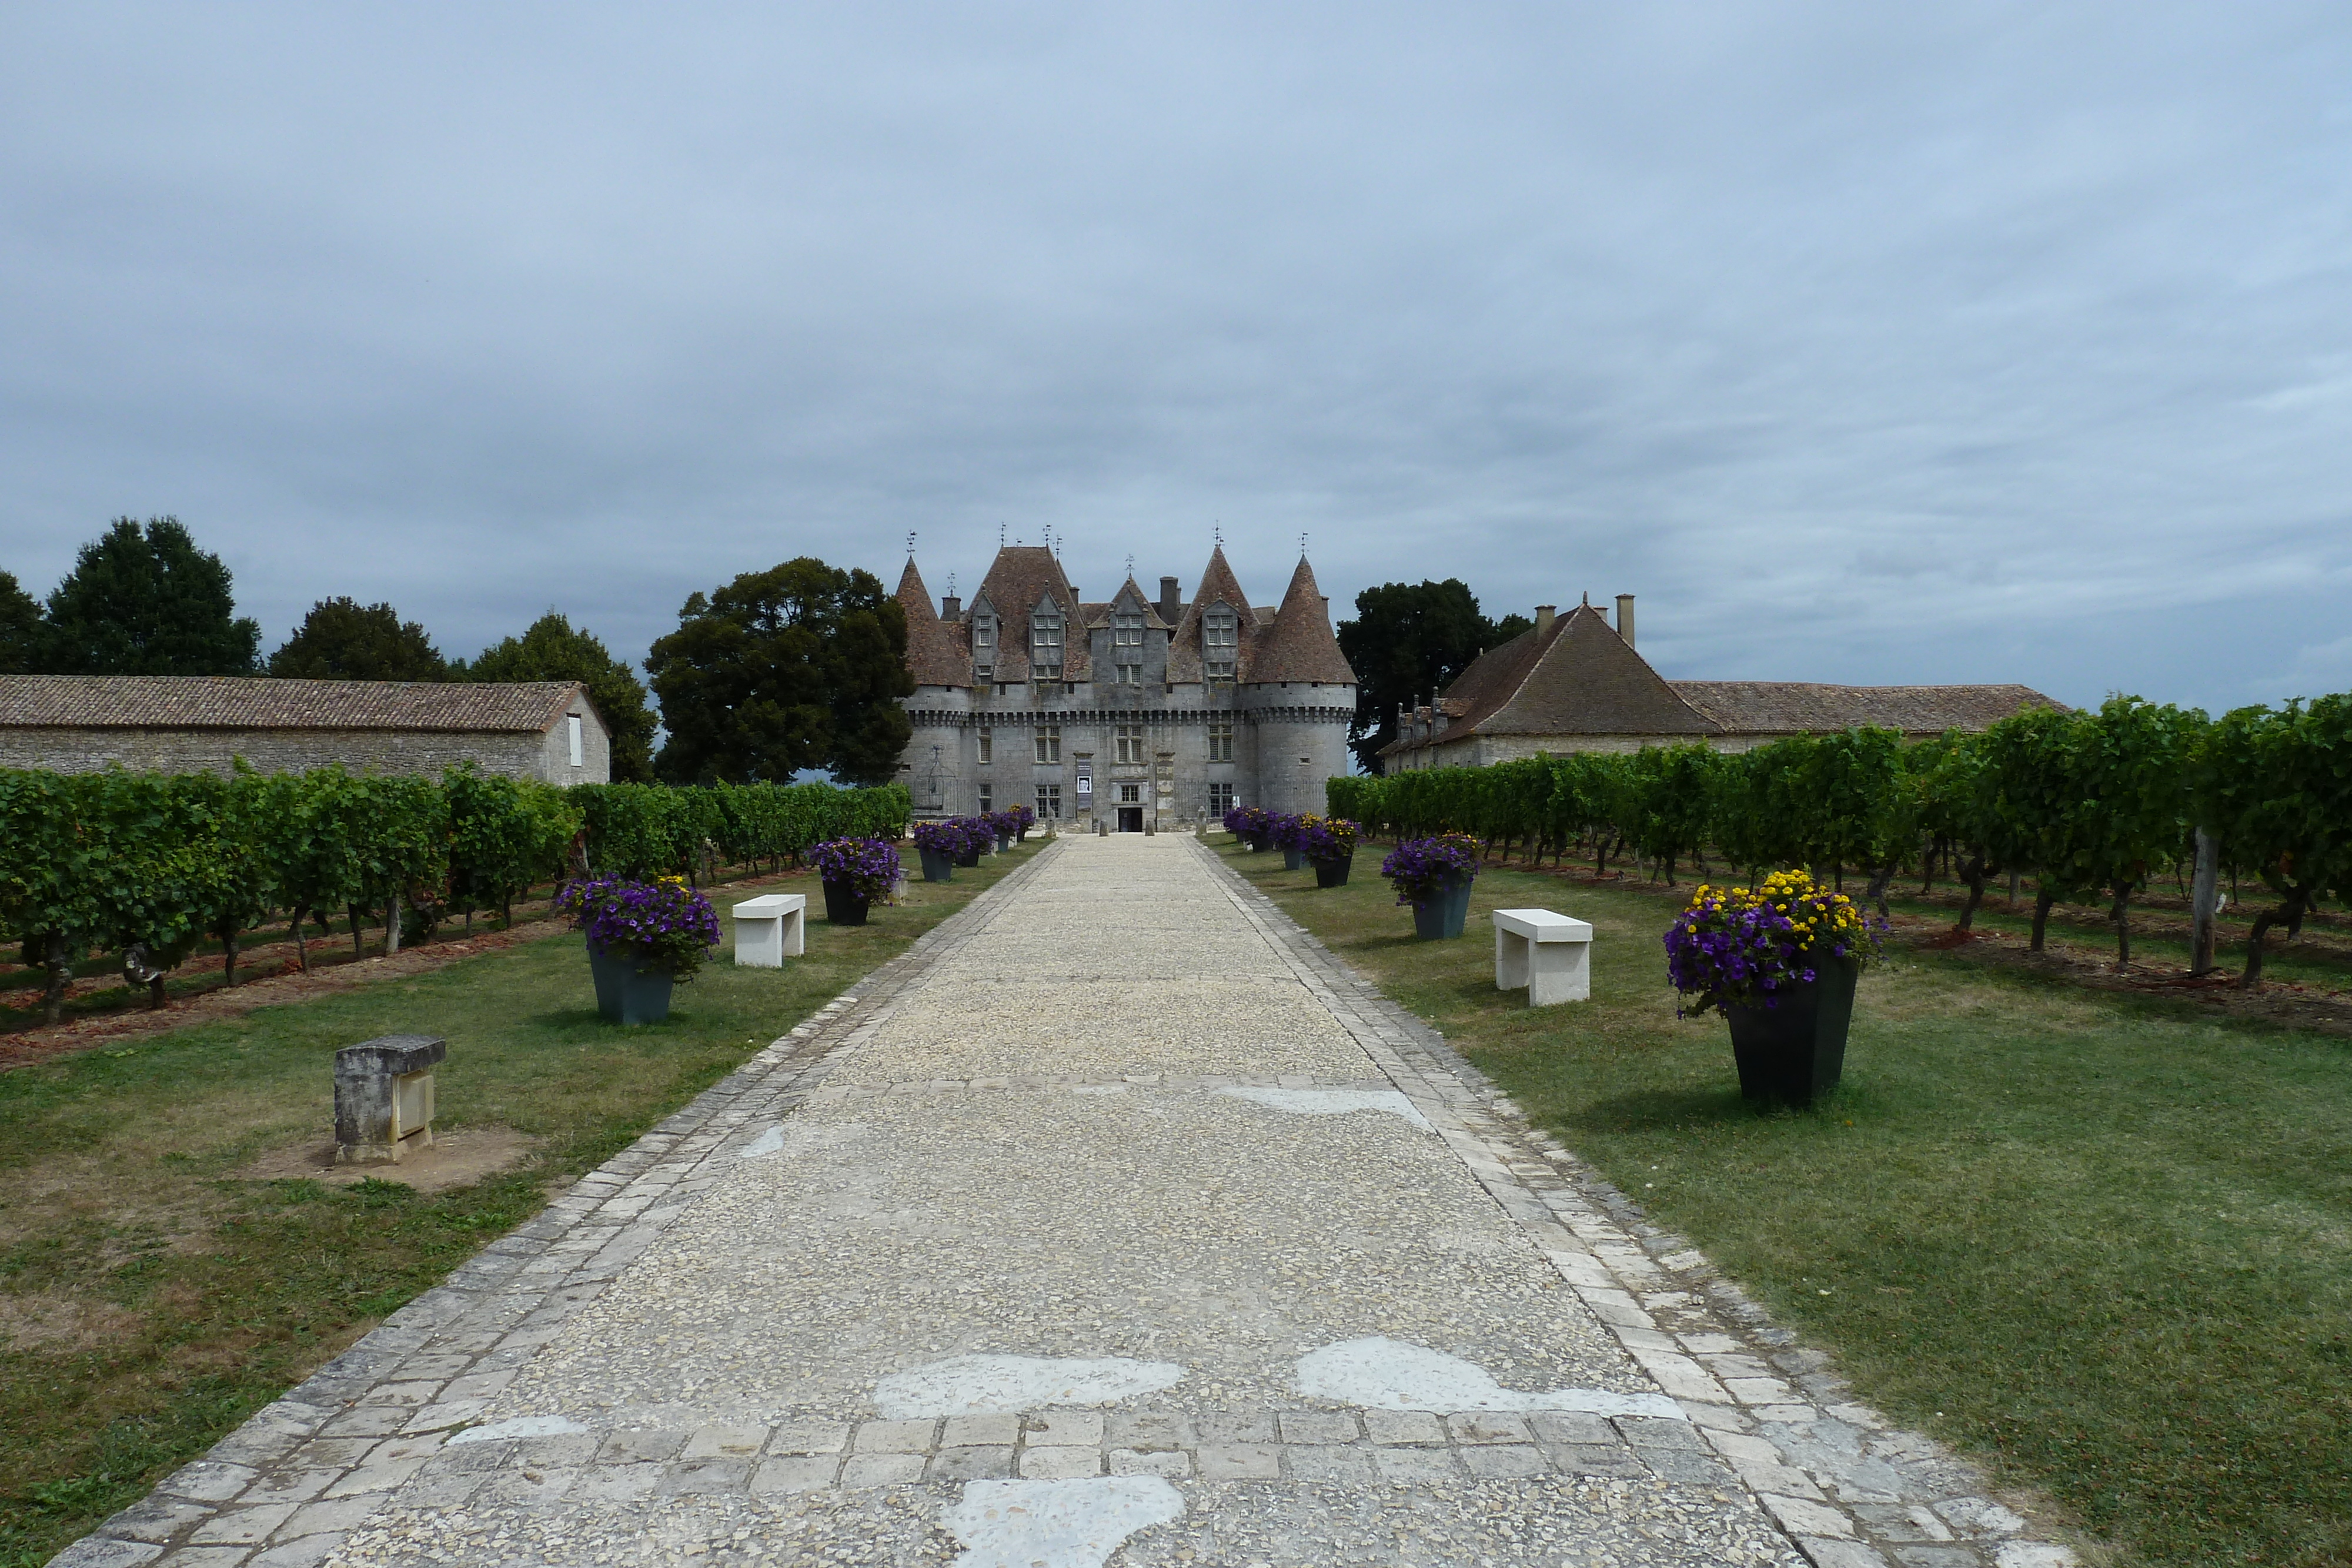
(1221,740)
(1049,801)
(984,806)
(1130,674)
(1130,794)
(987,738)
(572,735)
(1221,800)
(1126,646)
(1049,743)
(1128,742)
(983,648)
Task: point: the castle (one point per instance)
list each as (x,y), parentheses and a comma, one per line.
(1131,711)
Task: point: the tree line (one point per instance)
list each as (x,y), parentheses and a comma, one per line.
(2091,804)
(775,675)
(146,865)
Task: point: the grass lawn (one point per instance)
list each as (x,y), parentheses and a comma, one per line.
(151,1297)
(2098,1242)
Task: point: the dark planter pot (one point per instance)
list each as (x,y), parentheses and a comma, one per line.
(1003,842)
(1796,1050)
(1446,912)
(1258,842)
(1334,873)
(626,994)
(1294,860)
(843,904)
(938,866)
(970,857)
(1022,837)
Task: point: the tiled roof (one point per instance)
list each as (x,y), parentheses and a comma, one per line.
(1791,708)
(933,655)
(1217,582)
(1576,677)
(1298,646)
(1020,579)
(209,701)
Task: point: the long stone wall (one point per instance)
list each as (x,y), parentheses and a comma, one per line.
(297,750)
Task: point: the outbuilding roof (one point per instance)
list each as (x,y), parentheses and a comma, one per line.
(1791,708)
(227,702)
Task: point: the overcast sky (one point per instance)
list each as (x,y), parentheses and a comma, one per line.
(1866,343)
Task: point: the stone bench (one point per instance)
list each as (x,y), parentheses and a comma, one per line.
(1549,953)
(770,928)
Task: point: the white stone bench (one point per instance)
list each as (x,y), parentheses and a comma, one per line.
(1551,954)
(770,928)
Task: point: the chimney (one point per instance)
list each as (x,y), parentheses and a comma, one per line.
(1171,603)
(1625,617)
(1544,613)
(950,606)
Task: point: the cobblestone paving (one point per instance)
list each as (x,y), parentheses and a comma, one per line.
(1114,1221)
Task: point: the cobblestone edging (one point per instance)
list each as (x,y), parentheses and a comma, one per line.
(284,1489)
(1851,1489)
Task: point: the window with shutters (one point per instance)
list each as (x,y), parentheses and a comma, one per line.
(1221,740)
(1219,644)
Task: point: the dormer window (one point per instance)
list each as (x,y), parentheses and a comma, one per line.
(1219,644)
(983,646)
(1045,644)
(1126,646)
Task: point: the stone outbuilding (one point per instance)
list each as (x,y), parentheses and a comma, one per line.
(547,730)
(1574,683)
(1131,709)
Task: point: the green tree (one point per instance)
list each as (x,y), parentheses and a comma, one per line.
(20,629)
(1407,643)
(553,650)
(2276,784)
(343,640)
(147,602)
(797,667)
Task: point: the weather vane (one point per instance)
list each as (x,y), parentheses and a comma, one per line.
(1000,535)
(951,585)
(1302,543)
(1218,533)
(1130,564)
(911,541)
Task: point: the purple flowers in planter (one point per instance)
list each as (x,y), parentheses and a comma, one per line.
(955,836)
(1420,869)
(1284,829)
(1247,822)
(663,925)
(1739,947)
(1327,838)
(868,865)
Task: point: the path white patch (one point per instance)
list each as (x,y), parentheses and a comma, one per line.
(784,1138)
(1007,1385)
(1056,1524)
(521,1426)
(1098,1089)
(1381,1374)
(1332,1102)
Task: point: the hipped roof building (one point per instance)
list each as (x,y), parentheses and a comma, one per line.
(1575,683)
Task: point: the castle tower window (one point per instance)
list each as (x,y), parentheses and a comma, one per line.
(1049,801)
(1049,743)
(1219,644)
(1126,646)
(983,647)
(1045,644)
(1221,740)
(987,738)
(1129,742)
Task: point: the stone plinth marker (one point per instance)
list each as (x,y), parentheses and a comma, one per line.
(383,1098)
(770,928)
(1551,954)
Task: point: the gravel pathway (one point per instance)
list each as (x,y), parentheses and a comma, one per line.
(1114,1222)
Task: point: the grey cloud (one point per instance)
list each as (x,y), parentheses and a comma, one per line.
(2008,343)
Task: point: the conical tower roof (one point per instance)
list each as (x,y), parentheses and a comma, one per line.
(1299,645)
(934,654)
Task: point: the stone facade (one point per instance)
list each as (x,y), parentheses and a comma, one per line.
(1131,710)
(1575,684)
(81,724)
